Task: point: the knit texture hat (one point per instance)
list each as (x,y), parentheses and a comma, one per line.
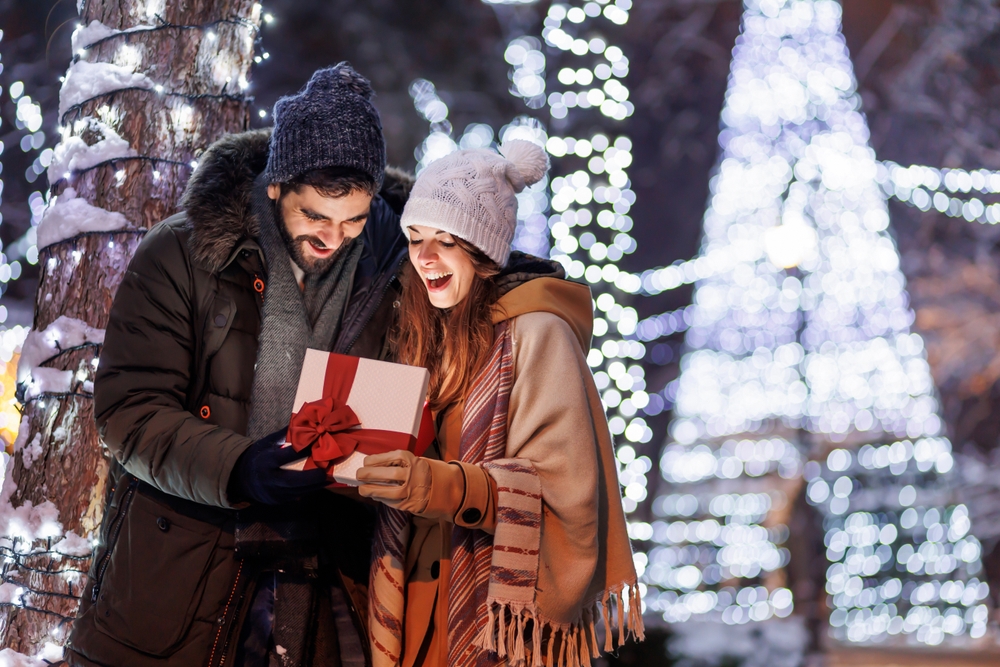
(471,194)
(329,123)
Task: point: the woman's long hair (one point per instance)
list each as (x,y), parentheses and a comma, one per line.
(452,344)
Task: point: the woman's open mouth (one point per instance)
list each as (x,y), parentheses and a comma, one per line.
(437,281)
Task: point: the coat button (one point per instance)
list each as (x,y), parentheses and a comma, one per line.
(435,569)
(163,523)
(205,412)
(220,320)
(472,515)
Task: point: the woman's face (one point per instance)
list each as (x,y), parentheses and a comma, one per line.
(445,269)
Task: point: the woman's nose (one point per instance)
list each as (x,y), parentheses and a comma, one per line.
(427,255)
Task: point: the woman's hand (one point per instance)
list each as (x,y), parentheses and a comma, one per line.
(397,478)
(403,481)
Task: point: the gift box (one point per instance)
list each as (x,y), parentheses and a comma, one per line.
(347,408)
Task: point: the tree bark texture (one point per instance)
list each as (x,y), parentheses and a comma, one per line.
(199,53)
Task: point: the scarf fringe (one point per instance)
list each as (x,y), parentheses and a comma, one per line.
(567,644)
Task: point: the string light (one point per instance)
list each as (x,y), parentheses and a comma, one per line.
(798,340)
(589,220)
(929,188)
(28,119)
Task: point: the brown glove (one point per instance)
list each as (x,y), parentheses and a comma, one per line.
(426,487)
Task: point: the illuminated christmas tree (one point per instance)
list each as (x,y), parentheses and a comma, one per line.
(801,368)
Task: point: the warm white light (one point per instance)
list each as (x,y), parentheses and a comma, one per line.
(787,245)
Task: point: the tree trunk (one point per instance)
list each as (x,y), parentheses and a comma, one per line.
(199,54)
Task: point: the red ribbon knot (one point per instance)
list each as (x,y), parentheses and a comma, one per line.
(324,425)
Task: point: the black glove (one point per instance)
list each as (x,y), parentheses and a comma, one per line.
(258,477)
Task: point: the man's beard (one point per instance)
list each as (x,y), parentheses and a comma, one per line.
(309,265)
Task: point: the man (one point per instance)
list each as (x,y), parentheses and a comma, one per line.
(211,553)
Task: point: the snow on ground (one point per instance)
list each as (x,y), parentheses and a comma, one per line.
(71,215)
(773,643)
(73,153)
(85,80)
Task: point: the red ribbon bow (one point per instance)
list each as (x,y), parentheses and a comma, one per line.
(323,425)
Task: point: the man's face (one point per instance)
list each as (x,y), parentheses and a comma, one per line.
(315,226)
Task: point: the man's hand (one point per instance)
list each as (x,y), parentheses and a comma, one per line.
(258,477)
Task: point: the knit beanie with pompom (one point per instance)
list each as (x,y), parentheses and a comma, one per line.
(329,123)
(471,194)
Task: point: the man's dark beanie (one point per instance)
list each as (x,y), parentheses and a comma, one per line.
(329,123)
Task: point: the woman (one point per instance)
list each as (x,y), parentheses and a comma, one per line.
(506,542)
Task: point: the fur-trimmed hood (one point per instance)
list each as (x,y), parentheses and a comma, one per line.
(219,195)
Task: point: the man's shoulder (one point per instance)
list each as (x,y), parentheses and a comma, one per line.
(165,244)
(172,231)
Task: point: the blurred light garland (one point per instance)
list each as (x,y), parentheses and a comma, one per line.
(799,344)
(929,188)
(587,90)
(27,118)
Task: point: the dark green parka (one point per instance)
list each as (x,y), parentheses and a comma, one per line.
(172,399)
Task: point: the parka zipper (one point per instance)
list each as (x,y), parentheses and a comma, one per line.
(116,528)
(224,621)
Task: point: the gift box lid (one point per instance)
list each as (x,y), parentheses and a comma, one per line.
(384,395)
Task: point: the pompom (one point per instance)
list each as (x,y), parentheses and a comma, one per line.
(342,75)
(529,158)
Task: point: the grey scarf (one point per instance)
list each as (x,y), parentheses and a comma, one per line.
(292,321)
(283,538)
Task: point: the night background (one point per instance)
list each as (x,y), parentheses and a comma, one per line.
(928,80)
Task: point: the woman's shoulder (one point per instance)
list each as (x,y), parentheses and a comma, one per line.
(543,333)
(538,323)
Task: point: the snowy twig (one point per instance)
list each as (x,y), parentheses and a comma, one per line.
(39,610)
(133,158)
(75,348)
(13,554)
(166,25)
(76,237)
(35,591)
(190,97)
(57,395)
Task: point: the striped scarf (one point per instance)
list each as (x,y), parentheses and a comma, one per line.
(492,594)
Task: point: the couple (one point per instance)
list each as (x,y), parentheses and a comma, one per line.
(504,544)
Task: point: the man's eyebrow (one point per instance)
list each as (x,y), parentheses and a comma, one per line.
(359,217)
(315,215)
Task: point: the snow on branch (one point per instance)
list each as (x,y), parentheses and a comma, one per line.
(21,526)
(71,215)
(86,35)
(74,154)
(63,334)
(86,80)
(11,658)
